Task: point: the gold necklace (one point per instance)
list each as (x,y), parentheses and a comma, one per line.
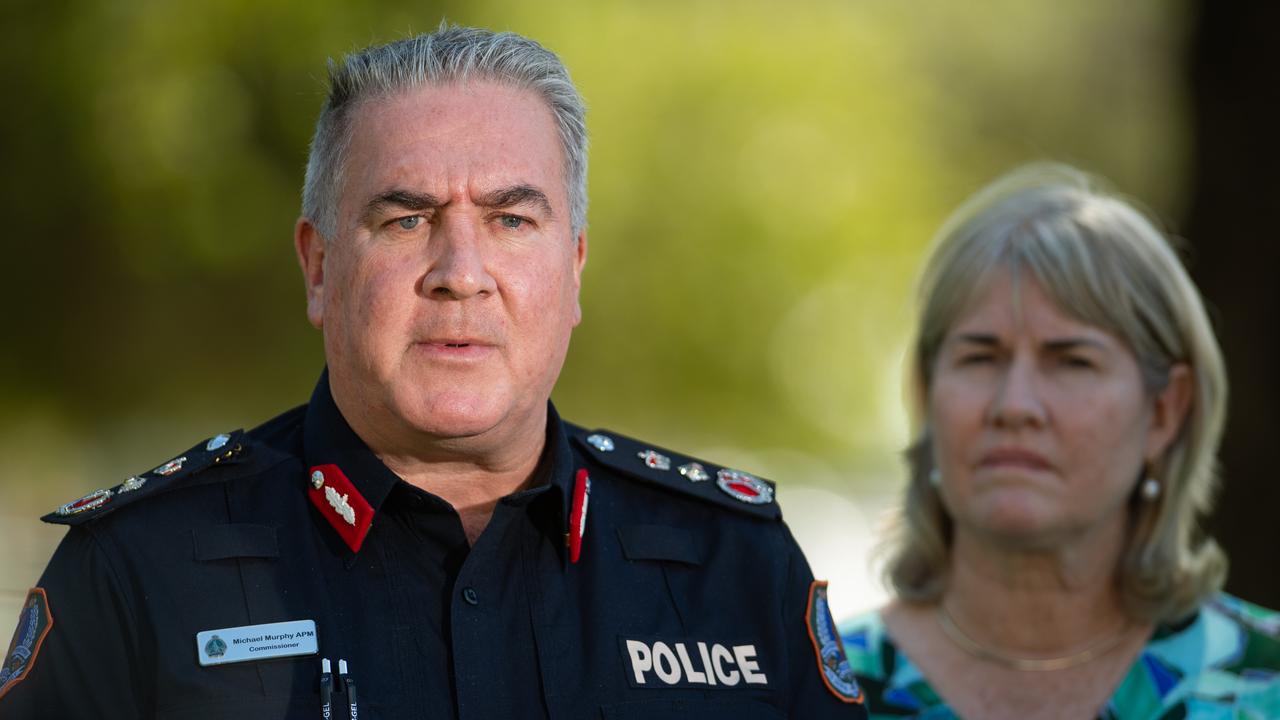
(983,652)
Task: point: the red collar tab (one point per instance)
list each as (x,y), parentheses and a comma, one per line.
(578,514)
(340,503)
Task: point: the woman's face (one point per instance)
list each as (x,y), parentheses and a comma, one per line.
(1041,423)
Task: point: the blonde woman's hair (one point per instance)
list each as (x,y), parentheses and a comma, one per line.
(1105,263)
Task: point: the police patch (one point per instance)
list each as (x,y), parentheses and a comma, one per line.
(832,660)
(654,663)
(34,623)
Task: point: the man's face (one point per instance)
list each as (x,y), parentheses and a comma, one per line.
(449,293)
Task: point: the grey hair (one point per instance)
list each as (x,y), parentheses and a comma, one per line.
(451,54)
(1104,262)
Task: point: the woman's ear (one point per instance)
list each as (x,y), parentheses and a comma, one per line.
(1170,410)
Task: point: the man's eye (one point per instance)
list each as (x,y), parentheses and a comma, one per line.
(511,222)
(409,223)
(976,359)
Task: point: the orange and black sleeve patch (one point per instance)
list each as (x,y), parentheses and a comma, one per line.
(34,623)
(828,647)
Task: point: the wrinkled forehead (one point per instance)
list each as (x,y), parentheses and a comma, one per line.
(478,123)
(1096,260)
(453,109)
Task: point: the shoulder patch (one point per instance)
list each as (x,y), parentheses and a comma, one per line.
(34,623)
(224,449)
(828,648)
(714,483)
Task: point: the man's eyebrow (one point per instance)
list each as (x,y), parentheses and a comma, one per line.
(515,195)
(405,199)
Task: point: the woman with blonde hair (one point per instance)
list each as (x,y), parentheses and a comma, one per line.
(1047,560)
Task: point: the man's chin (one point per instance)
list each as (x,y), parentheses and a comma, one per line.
(457,419)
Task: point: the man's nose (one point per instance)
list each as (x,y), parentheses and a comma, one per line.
(457,269)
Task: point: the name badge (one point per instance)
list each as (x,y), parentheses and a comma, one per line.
(256,642)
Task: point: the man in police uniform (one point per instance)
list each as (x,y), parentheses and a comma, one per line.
(427,538)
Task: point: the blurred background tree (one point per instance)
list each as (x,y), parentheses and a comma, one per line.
(1230,220)
(763,183)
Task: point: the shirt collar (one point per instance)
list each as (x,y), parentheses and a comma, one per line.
(328,440)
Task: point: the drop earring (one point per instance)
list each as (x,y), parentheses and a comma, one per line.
(1150,488)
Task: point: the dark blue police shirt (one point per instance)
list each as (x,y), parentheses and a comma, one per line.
(679,590)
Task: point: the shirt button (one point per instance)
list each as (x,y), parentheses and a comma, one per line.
(470,595)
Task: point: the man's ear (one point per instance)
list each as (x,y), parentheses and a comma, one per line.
(579,262)
(310,246)
(1170,410)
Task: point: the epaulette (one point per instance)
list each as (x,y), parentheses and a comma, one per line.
(714,483)
(224,449)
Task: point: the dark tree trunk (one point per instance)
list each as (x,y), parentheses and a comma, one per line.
(1232,224)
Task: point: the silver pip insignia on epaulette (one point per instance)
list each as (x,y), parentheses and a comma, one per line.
(170,467)
(654,459)
(215,451)
(694,471)
(603,443)
(733,489)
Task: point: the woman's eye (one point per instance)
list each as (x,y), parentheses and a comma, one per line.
(976,359)
(409,223)
(511,222)
(1077,362)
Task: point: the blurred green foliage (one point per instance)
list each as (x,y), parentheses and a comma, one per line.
(764,177)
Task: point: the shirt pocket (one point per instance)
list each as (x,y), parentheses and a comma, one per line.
(696,709)
(234,540)
(660,543)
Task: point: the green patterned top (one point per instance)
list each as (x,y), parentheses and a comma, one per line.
(1223,663)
